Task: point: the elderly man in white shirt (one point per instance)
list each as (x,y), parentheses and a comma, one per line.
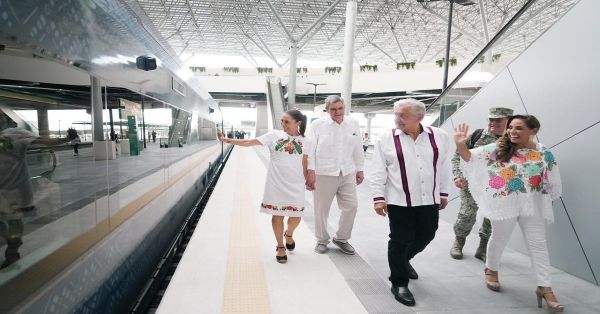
(410,181)
(335,167)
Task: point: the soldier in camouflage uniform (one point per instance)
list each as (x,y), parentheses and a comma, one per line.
(465,220)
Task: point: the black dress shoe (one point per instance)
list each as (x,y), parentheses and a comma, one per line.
(403,295)
(412,273)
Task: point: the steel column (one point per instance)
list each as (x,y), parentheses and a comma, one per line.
(97,123)
(351,12)
(291,86)
(447,61)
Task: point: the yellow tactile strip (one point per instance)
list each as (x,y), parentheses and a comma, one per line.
(245,283)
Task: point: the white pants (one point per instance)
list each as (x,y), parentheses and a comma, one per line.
(534,232)
(344,189)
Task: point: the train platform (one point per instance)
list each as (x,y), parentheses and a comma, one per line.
(229,265)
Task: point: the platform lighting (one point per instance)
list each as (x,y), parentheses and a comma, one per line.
(463,3)
(315,93)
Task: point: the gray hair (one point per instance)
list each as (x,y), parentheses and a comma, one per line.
(332,99)
(416,106)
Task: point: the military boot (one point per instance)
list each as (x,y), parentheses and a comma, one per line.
(480,253)
(456,250)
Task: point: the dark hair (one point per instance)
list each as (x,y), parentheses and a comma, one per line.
(72,133)
(298,117)
(506,149)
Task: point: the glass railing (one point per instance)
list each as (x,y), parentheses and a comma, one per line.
(533,19)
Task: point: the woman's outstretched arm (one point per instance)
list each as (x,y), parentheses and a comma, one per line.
(251,142)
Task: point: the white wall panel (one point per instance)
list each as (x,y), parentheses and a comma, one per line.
(558,76)
(565,251)
(500,92)
(577,159)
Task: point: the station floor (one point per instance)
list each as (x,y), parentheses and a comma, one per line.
(229,265)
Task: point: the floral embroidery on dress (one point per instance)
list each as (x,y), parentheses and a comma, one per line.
(289,145)
(516,184)
(549,158)
(534,156)
(518,159)
(497,182)
(508,173)
(275,207)
(526,172)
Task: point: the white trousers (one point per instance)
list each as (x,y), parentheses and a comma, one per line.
(344,189)
(534,232)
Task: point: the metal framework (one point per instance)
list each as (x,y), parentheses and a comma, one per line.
(388,31)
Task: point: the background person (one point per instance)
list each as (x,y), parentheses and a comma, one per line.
(284,188)
(335,168)
(75,141)
(467,214)
(514,181)
(366,142)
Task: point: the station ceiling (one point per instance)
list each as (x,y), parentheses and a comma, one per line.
(388,31)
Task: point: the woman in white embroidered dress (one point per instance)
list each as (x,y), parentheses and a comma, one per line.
(514,180)
(284,187)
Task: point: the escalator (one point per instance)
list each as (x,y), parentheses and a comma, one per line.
(276,102)
(178,133)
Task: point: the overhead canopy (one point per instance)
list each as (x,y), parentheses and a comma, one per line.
(388,31)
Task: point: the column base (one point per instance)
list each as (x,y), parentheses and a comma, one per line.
(104,150)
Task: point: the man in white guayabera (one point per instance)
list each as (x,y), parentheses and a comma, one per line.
(335,168)
(410,179)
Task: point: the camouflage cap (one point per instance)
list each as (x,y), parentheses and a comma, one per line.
(500,112)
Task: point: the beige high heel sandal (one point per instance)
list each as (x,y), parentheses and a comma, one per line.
(491,279)
(551,301)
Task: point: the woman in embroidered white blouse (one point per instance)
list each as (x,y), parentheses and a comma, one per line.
(284,186)
(514,180)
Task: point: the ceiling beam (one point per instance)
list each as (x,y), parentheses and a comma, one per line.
(320,19)
(454,26)
(398,42)
(250,56)
(289,35)
(425,52)
(306,41)
(515,28)
(382,51)
(444,48)
(270,56)
(193,17)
